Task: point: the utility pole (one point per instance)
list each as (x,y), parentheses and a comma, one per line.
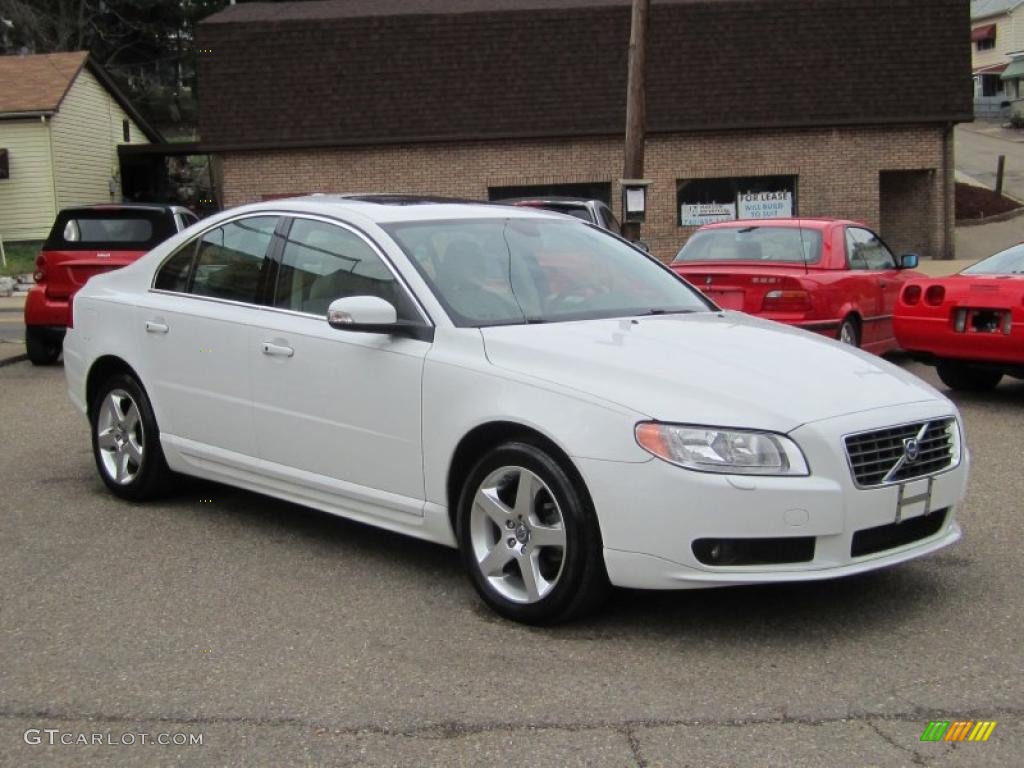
(636,103)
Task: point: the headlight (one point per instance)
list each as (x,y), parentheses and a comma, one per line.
(726,451)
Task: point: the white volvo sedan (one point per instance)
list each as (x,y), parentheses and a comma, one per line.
(525,387)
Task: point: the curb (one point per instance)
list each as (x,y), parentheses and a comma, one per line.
(990,219)
(12,360)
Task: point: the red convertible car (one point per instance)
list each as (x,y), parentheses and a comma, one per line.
(969,325)
(830,276)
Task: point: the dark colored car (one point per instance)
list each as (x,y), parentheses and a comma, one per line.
(83,242)
(591,211)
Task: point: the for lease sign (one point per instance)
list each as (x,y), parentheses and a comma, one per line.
(765,205)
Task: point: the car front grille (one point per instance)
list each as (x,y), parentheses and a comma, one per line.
(882,456)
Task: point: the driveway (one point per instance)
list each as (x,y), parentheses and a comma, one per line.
(978,146)
(283,636)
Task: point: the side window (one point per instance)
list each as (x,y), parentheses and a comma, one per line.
(854,251)
(610,222)
(175,272)
(230,259)
(322,262)
(185,220)
(866,251)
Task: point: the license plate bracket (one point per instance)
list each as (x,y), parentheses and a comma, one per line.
(903,500)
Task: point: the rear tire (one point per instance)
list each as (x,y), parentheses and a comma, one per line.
(126,440)
(967,378)
(849,332)
(529,538)
(41,345)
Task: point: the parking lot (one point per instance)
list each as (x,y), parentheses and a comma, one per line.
(287,637)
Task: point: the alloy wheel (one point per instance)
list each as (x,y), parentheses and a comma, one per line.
(517,534)
(120,436)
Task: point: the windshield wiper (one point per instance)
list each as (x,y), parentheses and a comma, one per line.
(669,312)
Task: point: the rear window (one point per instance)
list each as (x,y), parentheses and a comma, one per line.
(117,230)
(785,245)
(577,211)
(108,231)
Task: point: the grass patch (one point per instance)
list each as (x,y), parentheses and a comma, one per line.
(979,203)
(21,258)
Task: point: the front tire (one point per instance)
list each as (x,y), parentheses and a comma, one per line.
(966,378)
(126,441)
(529,537)
(42,346)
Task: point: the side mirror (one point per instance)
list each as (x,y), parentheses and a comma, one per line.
(369,314)
(643,246)
(909,261)
(372,314)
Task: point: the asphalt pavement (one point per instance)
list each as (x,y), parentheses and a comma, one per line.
(978,147)
(282,636)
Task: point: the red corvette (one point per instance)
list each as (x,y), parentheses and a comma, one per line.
(970,325)
(830,276)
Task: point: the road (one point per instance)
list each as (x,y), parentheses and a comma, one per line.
(287,637)
(12,319)
(978,146)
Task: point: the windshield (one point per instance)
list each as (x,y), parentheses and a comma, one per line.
(1008,262)
(518,270)
(787,245)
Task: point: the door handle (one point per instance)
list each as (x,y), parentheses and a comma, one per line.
(152,327)
(277,350)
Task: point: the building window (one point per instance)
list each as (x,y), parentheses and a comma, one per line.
(704,201)
(595,190)
(986,45)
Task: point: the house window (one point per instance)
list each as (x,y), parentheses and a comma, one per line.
(704,201)
(5,169)
(126,131)
(986,45)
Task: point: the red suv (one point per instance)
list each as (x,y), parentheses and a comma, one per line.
(84,242)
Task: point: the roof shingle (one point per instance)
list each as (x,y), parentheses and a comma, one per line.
(347,72)
(37,83)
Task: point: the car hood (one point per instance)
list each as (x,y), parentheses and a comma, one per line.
(724,369)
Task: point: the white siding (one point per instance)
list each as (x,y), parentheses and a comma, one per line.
(86,132)
(26,198)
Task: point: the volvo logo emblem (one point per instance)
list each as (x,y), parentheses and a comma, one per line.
(522,533)
(911,449)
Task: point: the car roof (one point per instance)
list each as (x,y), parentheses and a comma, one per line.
(548,200)
(385,208)
(815,223)
(160,207)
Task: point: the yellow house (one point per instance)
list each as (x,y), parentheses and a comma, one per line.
(997,37)
(61,121)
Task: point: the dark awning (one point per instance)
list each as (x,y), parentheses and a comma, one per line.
(988,32)
(991,69)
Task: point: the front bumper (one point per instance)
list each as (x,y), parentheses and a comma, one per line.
(652,513)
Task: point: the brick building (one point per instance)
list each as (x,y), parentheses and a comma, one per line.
(846,107)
